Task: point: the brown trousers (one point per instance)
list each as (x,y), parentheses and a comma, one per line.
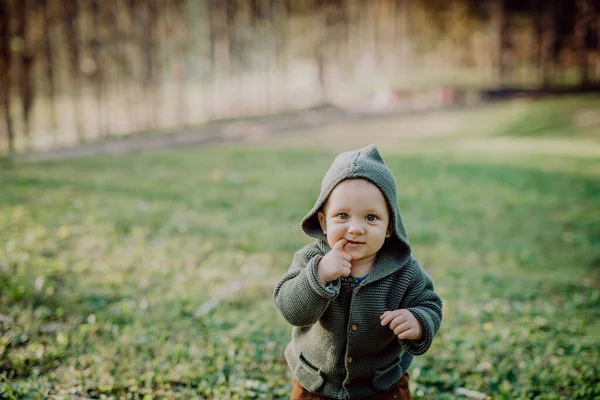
(398,391)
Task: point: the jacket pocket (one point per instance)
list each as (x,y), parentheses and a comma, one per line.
(385,377)
(309,376)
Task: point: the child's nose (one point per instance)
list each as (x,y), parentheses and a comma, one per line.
(356,227)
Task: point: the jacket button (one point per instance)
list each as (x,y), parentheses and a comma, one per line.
(349,360)
(354,327)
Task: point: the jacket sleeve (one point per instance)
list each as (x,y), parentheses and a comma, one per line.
(421,300)
(299,295)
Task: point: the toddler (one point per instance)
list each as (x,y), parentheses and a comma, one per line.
(360,304)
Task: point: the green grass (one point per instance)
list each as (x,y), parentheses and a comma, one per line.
(105,261)
(561,117)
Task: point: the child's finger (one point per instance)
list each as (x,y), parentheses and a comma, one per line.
(388,316)
(403,327)
(406,334)
(399,320)
(339,246)
(345,256)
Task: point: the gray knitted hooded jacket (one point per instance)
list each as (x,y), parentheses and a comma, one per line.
(339,348)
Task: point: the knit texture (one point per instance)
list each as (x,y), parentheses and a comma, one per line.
(339,348)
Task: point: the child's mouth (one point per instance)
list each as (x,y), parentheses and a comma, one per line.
(352,243)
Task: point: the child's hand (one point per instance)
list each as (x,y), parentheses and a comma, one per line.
(336,263)
(403,323)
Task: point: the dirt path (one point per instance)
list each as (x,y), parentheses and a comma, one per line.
(259,127)
(236,130)
(211,132)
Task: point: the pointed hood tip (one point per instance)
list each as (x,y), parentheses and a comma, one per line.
(372,152)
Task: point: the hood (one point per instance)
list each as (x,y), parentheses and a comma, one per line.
(365,163)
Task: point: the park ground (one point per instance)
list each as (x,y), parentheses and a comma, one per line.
(149,275)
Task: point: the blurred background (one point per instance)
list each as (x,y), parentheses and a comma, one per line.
(75,71)
(157,156)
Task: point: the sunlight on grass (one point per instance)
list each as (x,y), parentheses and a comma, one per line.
(106,261)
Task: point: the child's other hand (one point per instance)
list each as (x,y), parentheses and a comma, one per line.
(334,264)
(403,323)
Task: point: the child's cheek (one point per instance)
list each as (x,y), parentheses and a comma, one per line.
(334,234)
(332,238)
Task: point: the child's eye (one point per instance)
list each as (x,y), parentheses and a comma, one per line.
(343,216)
(371,217)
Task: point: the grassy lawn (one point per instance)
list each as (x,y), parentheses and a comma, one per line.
(107,261)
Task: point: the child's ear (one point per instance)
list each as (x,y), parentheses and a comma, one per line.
(388,233)
(322,222)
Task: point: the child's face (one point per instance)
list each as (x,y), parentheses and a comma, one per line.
(356,211)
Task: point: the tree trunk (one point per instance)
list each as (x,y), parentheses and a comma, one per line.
(50,62)
(597,44)
(98,75)
(582,25)
(501,22)
(147,16)
(181,73)
(119,39)
(282,45)
(26,89)
(73,43)
(319,53)
(405,34)
(5,71)
(211,10)
(546,28)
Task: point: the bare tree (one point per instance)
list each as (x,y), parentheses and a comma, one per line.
(71,18)
(545,26)
(49,22)
(146,12)
(27,59)
(597,24)
(583,23)
(501,22)
(97,75)
(5,70)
